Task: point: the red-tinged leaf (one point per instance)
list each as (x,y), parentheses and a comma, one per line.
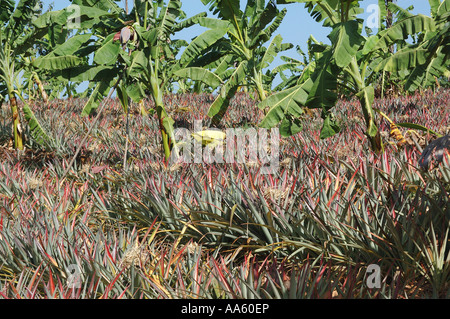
(93,285)
(109,254)
(223,279)
(4,296)
(174,259)
(161,261)
(52,260)
(123,292)
(31,287)
(337,191)
(72,227)
(51,284)
(117,36)
(61,288)
(17,295)
(111,284)
(196,278)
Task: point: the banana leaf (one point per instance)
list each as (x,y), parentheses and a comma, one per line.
(37,132)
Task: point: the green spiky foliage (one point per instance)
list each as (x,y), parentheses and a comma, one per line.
(309,230)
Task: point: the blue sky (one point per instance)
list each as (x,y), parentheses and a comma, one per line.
(296,27)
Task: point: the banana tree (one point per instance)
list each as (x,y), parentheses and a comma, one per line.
(47,85)
(152,64)
(17,35)
(427,60)
(134,50)
(388,11)
(344,63)
(414,64)
(68,61)
(239,58)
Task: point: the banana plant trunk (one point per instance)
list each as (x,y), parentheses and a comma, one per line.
(366,96)
(17,127)
(167,142)
(259,85)
(142,108)
(41,87)
(372,131)
(165,122)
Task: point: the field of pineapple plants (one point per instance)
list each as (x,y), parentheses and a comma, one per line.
(93,206)
(219,230)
